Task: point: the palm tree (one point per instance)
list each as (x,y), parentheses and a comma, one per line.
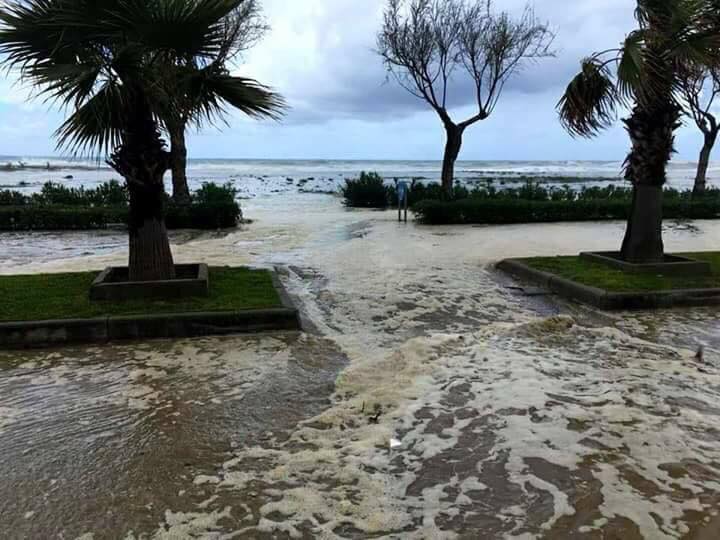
(107,62)
(243,28)
(645,73)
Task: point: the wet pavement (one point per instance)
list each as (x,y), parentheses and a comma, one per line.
(430,400)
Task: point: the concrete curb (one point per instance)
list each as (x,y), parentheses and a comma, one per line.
(610,301)
(37,334)
(104,288)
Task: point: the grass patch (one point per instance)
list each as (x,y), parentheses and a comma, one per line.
(614,280)
(66,296)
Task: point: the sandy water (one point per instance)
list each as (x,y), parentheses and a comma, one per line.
(430,399)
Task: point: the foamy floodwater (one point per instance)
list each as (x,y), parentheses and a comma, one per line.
(430,400)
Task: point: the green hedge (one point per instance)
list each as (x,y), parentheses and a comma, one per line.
(43,218)
(508,211)
(371,191)
(111,194)
(57,207)
(57,218)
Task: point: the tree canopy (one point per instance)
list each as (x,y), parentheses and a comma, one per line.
(424,44)
(673,36)
(98,57)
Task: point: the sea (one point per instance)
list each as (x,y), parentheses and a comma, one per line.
(260,178)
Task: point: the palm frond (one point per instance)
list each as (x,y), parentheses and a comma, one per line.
(65,83)
(209,93)
(246,95)
(672,38)
(182,27)
(590,101)
(96,124)
(97,57)
(631,67)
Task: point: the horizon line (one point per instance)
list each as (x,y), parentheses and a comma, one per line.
(351,160)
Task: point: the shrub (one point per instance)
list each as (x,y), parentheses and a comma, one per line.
(368,191)
(112,193)
(39,218)
(58,207)
(12,198)
(211,207)
(508,211)
(529,191)
(531,200)
(208,216)
(533,191)
(211,193)
(609,192)
(421,192)
(52,193)
(57,218)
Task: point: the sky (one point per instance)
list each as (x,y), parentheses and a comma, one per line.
(320,55)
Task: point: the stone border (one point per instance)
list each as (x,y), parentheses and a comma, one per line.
(103,288)
(37,334)
(610,301)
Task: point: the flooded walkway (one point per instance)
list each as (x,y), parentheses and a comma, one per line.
(429,400)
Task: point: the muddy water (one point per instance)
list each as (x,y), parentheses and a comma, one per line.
(432,400)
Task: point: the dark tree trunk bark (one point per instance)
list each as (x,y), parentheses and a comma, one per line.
(452,150)
(651,128)
(643,241)
(178,165)
(150,255)
(704,163)
(142,160)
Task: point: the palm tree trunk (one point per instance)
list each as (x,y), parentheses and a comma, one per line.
(150,255)
(651,128)
(178,163)
(142,160)
(704,162)
(643,241)
(452,150)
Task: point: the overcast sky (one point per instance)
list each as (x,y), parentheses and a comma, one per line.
(319,55)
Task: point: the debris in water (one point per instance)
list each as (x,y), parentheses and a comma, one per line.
(378,412)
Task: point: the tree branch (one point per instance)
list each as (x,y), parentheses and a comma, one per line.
(424,42)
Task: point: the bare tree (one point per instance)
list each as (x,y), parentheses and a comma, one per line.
(426,44)
(701,88)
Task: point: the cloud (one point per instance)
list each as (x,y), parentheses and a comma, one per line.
(320,55)
(14,92)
